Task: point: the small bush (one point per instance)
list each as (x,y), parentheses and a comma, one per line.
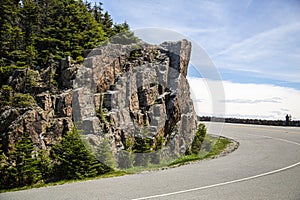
(142,148)
(23,100)
(135,54)
(33,77)
(73,161)
(126,37)
(198,140)
(79,59)
(104,153)
(6,95)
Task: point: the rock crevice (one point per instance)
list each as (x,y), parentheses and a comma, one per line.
(137,91)
(123,93)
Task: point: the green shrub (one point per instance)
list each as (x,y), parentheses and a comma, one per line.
(104,153)
(6,71)
(142,148)
(33,77)
(73,160)
(198,140)
(20,168)
(23,100)
(6,95)
(135,54)
(79,59)
(125,37)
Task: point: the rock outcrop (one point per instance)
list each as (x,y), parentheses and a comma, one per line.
(128,95)
(45,122)
(129,92)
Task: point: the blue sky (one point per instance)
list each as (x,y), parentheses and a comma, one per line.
(258,38)
(249,41)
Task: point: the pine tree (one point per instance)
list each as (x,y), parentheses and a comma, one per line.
(11,35)
(97,13)
(3,165)
(107,24)
(45,164)
(104,153)
(142,148)
(25,168)
(29,25)
(73,160)
(197,141)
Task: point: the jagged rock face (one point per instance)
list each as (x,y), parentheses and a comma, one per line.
(123,93)
(126,92)
(46,122)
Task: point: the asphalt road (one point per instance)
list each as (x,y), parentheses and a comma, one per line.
(265,166)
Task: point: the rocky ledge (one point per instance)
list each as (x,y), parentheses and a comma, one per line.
(133,98)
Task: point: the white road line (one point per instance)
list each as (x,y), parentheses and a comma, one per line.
(288,141)
(279,139)
(230,182)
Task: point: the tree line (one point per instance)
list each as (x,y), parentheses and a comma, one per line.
(25,165)
(34,37)
(36,34)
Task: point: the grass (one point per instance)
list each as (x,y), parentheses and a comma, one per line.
(211,147)
(38,185)
(218,147)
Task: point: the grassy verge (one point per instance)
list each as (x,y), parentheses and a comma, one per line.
(211,147)
(38,185)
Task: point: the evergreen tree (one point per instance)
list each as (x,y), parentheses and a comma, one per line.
(69,30)
(29,25)
(25,168)
(107,24)
(45,164)
(142,148)
(73,160)
(104,154)
(11,35)
(97,13)
(197,141)
(3,164)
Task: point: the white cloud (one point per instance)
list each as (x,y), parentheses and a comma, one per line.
(248,36)
(256,38)
(273,54)
(256,101)
(246,100)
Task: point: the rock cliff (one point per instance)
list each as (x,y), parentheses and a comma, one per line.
(135,97)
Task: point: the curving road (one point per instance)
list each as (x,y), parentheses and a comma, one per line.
(265,166)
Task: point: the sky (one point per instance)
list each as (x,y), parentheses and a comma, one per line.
(253,45)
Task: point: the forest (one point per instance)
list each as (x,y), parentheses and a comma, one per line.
(35,35)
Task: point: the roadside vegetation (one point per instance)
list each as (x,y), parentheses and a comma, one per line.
(69,161)
(35,35)
(212,147)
